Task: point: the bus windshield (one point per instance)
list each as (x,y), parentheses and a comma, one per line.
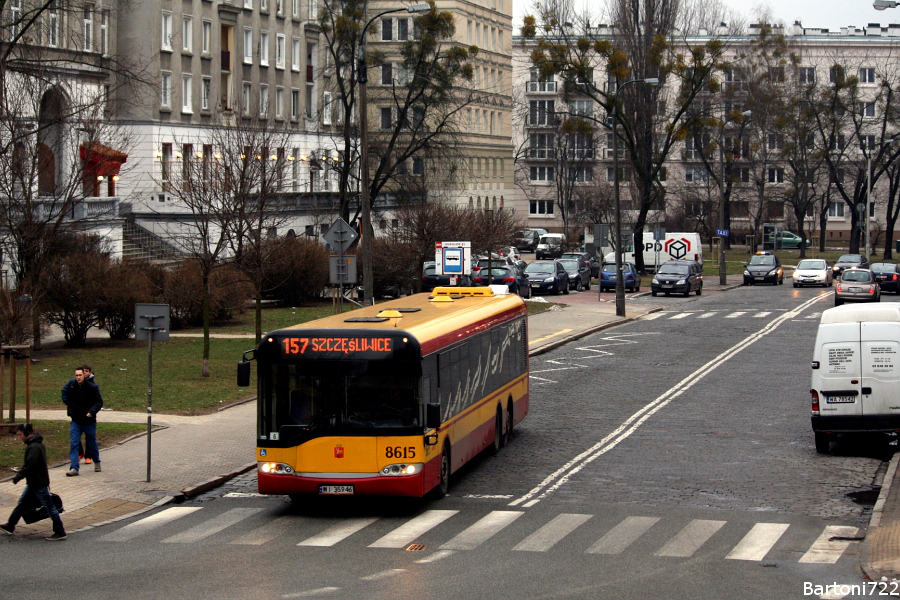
(312,398)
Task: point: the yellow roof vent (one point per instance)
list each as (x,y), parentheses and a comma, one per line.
(441,299)
(390,314)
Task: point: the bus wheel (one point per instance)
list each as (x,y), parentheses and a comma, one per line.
(504,438)
(444,485)
(498,433)
(296,498)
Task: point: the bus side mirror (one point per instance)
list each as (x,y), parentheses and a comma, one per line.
(243,373)
(432,416)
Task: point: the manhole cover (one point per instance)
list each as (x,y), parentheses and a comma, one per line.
(415,547)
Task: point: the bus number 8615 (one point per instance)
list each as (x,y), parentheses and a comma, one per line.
(400,452)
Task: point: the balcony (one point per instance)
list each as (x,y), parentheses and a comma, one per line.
(542,153)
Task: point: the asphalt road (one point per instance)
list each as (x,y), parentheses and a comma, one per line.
(671,457)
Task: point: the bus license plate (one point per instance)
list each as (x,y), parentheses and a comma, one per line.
(840,399)
(335,489)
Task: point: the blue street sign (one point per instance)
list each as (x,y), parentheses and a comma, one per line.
(722,232)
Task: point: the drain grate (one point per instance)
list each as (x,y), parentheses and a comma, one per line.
(415,547)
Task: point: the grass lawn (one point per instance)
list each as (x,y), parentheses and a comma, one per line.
(56,440)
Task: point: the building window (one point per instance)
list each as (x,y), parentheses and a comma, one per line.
(313,10)
(836,74)
(166,32)
(279,51)
(263,5)
(402,29)
(165,163)
(15,18)
(836,210)
(248,4)
(541,112)
(806,75)
(88,30)
(540,207)
(245,97)
(205,87)
(696,175)
(187,33)
(187,83)
(53,26)
(104,32)
(581,174)
(867,75)
(776,175)
(295,54)
(264,101)
(264,49)
(541,174)
(418,166)
(295,104)
(165,92)
(776,142)
(387,77)
(387,30)
(776,74)
(867,109)
(279,7)
(387,119)
(279,103)
(206,37)
(326,108)
(248,45)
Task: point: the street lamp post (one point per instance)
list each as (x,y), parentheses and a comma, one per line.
(365,210)
(620,285)
(722,270)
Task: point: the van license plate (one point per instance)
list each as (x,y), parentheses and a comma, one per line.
(840,399)
(335,489)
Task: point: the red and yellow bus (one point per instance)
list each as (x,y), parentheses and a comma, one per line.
(389,399)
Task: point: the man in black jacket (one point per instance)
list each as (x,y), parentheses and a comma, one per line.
(83,402)
(37,483)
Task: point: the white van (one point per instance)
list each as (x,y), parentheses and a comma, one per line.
(676,246)
(855,383)
(550,246)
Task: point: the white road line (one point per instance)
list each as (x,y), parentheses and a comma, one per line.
(653,316)
(827,551)
(440,554)
(688,540)
(547,536)
(762,314)
(559,477)
(477,534)
(542,379)
(335,534)
(266,533)
(383,575)
(315,592)
(409,531)
(680,316)
(757,543)
(707,315)
(735,315)
(622,535)
(212,526)
(148,523)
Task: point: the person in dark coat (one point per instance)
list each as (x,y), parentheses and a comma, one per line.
(37,483)
(89,376)
(83,402)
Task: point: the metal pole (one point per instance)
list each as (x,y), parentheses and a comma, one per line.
(366,213)
(868,199)
(620,285)
(723,278)
(149,389)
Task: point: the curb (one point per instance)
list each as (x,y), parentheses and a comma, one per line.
(200,488)
(875,520)
(565,340)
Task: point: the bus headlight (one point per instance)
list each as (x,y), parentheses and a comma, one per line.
(275,468)
(401,470)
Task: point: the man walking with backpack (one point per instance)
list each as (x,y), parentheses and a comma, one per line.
(83,402)
(37,482)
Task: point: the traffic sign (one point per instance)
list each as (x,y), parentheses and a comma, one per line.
(722,232)
(340,235)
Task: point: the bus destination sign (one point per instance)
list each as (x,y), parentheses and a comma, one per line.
(345,346)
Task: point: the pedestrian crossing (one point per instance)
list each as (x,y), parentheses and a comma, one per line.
(707,314)
(670,536)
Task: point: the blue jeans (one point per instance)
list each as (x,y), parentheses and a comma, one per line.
(90,436)
(43,494)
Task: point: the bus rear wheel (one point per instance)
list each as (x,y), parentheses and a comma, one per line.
(444,485)
(507,433)
(498,433)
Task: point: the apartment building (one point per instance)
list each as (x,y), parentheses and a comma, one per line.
(760,173)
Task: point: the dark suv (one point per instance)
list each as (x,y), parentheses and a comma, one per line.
(678,276)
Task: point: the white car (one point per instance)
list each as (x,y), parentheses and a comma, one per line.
(813,271)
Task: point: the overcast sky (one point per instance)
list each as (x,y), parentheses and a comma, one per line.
(828,14)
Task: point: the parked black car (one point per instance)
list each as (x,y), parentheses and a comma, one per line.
(678,276)
(510,275)
(849,261)
(431,280)
(547,276)
(527,239)
(579,273)
(592,262)
(888,276)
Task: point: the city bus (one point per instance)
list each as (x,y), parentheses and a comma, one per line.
(392,399)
